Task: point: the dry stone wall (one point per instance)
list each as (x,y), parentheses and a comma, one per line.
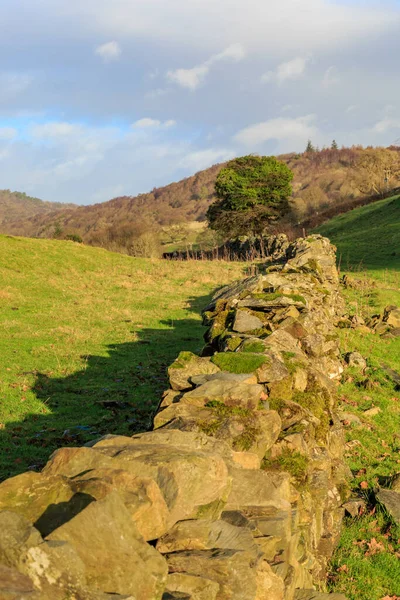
(236,494)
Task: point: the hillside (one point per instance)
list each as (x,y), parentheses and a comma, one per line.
(86,336)
(367,237)
(330,180)
(17,207)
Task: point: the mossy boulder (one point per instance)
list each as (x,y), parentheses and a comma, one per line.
(186,366)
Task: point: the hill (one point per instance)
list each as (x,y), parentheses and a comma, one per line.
(367,237)
(327,181)
(16,207)
(86,337)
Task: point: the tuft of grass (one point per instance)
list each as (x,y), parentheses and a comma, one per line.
(87,336)
(238,362)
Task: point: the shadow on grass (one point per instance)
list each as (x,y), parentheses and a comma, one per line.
(116,394)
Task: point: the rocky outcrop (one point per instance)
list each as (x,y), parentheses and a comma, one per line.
(236,494)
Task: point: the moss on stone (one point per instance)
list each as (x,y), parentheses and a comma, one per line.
(212,510)
(254,347)
(270,297)
(183,359)
(238,362)
(291,461)
(232,342)
(244,441)
(316,402)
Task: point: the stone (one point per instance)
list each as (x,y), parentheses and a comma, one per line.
(245,322)
(392,316)
(297,330)
(292,413)
(355,359)
(195,587)
(230,292)
(372,412)
(16,586)
(228,392)
(116,557)
(314,595)
(354,507)
(182,413)
(17,536)
(142,497)
(55,568)
(272,370)
(36,497)
(246,460)
(348,417)
(248,378)
(186,366)
(282,341)
(396,483)
(188,479)
(313,345)
(258,489)
(206,534)
(233,570)
(391,501)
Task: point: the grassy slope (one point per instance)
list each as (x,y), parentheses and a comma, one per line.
(80,326)
(367,237)
(366,565)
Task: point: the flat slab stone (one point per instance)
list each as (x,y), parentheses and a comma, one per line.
(391,501)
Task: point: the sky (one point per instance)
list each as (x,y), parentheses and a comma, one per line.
(102,98)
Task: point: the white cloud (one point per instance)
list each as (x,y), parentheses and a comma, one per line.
(331,77)
(54,130)
(147,122)
(351,108)
(385,125)
(289,24)
(8,133)
(194,77)
(13,84)
(189,78)
(109,51)
(201,159)
(290,70)
(297,129)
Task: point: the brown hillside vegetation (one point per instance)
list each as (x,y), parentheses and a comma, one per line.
(324,181)
(17,206)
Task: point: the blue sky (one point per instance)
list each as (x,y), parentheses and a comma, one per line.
(100,98)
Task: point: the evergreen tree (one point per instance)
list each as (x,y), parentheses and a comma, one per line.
(310,147)
(334,145)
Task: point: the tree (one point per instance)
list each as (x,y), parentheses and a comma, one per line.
(377,170)
(310,147)
(334,145)
(252,191)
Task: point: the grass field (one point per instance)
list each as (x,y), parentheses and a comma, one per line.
(366,565)
(86,336)
(367,237)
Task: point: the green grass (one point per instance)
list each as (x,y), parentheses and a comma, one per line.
(86,338)
(374,453)
(366,565)
(368,236)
